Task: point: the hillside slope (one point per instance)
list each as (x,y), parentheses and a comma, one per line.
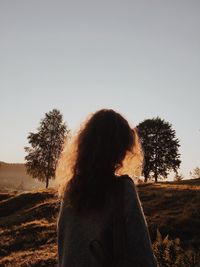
(174,208)
(28,229)
(28,221)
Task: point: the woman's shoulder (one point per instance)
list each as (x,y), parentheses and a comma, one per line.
(129,188)
(126,180)
(125,177)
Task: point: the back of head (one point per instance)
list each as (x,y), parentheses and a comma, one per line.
(103,143)
(101,146)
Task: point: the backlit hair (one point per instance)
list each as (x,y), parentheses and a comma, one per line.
(104,146)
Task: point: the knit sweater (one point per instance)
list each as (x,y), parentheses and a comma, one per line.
(77,230)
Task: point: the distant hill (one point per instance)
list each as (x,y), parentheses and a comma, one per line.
(13,176)
(28,221)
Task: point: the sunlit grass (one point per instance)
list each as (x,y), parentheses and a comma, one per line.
(28,221)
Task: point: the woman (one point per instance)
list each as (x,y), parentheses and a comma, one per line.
(99,152)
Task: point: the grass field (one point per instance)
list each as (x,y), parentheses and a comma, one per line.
(174,208)
(28,221)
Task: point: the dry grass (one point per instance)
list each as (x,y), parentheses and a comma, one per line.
(28,229)
(28,221)
(174,208)
(45,255)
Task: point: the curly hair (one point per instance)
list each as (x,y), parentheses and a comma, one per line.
(93,157)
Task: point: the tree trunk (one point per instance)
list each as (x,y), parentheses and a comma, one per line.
(146,175)
(156,176)
(47,182)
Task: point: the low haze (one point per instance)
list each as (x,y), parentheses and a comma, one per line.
(140,58)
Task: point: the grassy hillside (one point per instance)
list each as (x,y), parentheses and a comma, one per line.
(28,229)
(28,221)
(174,208)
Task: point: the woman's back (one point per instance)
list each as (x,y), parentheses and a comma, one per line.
(76,231)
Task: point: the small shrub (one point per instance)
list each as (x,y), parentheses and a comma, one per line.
(169,253)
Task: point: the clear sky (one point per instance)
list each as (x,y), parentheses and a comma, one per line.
(141,58)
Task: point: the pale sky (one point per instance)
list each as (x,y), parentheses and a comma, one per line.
(140,58)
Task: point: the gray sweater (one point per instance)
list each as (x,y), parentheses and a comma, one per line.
(75,231)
